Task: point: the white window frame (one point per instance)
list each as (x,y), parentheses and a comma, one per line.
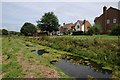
(114,20)
(108,21)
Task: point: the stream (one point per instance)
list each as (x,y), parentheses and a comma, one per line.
(78,67)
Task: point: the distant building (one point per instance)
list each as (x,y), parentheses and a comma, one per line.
(109,19)
(40,33)
(82,25)
(66,27)
(77,26)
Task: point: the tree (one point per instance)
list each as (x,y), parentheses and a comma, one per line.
(4,32)
(28,29)
(48,22)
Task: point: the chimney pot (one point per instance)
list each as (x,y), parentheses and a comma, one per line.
(104,9)
(63,24)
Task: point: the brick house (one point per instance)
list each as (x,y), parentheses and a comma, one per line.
(66,27)
(77,26)
(82,25)
(108,20)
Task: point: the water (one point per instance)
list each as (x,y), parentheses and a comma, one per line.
(82,70)
(39,52)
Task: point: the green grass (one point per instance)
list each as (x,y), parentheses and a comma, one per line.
(11,68)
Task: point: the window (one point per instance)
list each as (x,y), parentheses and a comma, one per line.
(78,27)
(108,21)
(114,20)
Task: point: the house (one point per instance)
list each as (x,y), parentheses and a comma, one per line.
(108,19)
(40,33)
(82,25)
(77,26)
(66,27)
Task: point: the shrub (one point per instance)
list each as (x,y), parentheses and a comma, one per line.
(95,29)
(4,32)
(78,33)
(116,31)
(69,32)
(90,31)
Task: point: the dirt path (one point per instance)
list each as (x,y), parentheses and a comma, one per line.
(35,71)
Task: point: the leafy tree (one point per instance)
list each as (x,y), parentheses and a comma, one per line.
(48,22)
(4,32)
(28,29)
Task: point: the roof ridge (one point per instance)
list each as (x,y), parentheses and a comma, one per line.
(113,8)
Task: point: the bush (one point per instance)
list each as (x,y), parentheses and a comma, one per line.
(90,31)
(95,29)
(116,31)
(69,32)
(4,32)
(78,33)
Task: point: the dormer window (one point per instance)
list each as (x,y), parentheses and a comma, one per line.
(114,20)
(108,21)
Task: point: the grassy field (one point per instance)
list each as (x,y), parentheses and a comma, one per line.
(18,60)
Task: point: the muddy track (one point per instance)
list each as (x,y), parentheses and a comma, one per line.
(34,70)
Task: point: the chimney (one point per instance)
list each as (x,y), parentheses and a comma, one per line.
(104,9)
(63,24)
(105,18)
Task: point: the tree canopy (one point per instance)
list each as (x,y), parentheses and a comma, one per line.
(4,32)
(28,29)
(48,22)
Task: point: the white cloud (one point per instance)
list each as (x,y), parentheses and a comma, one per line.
(16,13)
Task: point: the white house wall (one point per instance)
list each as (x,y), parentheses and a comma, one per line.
(83,28)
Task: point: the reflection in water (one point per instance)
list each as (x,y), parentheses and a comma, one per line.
(81,70)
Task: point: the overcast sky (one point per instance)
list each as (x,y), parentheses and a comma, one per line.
(15,14)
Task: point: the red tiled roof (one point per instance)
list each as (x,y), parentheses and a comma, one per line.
(68,26)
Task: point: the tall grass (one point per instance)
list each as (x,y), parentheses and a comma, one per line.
(103,49)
